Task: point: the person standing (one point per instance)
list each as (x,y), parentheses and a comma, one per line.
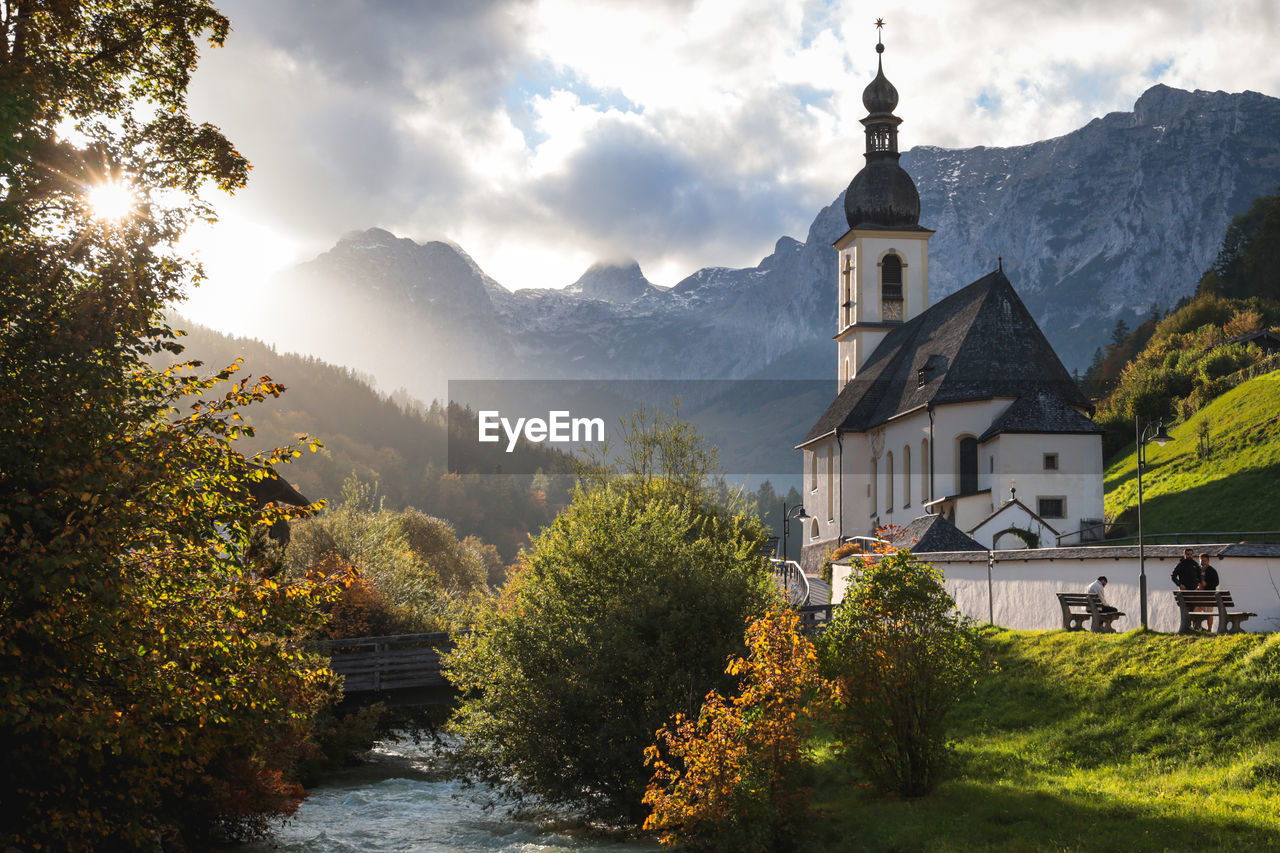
(1096,588)
(1208,581)
(1186,575)
(1208,574)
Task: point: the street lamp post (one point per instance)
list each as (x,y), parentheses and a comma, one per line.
(786,524)
(1143,435)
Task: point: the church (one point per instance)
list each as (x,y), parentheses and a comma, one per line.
(956,415)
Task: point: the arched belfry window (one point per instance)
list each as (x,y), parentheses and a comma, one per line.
(891,288)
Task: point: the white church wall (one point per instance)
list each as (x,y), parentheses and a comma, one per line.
(1020,463)
(951,422)
(821,491)
(871,247)
(855,486)
(894,438)
(990,532)
(1023,586)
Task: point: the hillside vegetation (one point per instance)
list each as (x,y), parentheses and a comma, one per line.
(1078,742)
(1170,367)
(395,442)
(1235,487)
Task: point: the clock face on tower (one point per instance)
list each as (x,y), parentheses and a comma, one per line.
(892,310)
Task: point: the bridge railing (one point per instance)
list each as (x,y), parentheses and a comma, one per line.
(399,662)
(792,580)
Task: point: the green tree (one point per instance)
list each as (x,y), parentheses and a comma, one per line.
(1248,264)
(621,614)
(415,575)
(150,691)
(901,658)
(660,453)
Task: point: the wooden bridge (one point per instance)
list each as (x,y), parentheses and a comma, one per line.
(408,665)
(386,664)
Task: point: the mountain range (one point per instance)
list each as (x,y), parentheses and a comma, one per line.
(1098,225)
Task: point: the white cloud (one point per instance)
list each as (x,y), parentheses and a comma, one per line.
(543,135)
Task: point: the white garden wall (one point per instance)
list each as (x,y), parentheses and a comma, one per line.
(1020,592)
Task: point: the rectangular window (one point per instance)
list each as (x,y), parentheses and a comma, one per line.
(813,470)
(1051,507)
(1051,462)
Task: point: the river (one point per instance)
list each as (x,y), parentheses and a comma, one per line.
(399,802)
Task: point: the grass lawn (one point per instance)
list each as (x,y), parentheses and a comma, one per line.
(1137,741)
(1236,489)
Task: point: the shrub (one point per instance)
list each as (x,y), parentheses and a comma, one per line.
(732,780)
(901,658)
(621,615)
(837,553)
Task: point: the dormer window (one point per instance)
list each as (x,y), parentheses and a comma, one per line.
(891,288)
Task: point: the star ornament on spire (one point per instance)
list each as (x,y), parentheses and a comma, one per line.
(879,33)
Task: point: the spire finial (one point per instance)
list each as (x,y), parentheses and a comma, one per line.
(1000,262)
(879,35)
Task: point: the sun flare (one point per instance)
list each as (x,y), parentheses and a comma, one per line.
(112,200)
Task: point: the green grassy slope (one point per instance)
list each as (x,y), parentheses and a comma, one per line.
(1084,742)
(1236,489)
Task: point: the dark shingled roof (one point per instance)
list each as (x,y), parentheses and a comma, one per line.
(980,342)
(1043,411)
(930,533)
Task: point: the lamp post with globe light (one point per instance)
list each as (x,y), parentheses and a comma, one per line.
(1160,436)
(786,524)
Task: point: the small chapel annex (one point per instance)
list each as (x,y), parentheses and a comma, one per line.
(960,410)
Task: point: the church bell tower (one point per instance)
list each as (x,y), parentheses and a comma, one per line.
(883,273)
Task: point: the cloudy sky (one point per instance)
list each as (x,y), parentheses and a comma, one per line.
(543,135)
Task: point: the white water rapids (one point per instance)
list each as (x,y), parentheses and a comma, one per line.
(400,802)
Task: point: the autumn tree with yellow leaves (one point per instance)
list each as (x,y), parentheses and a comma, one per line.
(153,694)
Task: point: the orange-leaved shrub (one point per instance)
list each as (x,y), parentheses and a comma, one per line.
(733,778)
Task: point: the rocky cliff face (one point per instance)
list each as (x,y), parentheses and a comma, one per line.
(1125,212)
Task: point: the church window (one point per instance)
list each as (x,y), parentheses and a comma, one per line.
(1051,462)
(891,288)
(1051,507)
(888,483)
(968,465)
(924,471)
(906,475)
(874,486)
(814,532)
(813,470)
(831,486)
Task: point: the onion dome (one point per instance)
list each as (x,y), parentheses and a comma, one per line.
(882,195)
(880,96)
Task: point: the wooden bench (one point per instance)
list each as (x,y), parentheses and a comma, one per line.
(1197,607)
(1073,620)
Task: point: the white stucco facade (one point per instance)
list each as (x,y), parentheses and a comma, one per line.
(912,466)
(863,315)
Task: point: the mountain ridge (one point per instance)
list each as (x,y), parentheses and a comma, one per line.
(1091,226)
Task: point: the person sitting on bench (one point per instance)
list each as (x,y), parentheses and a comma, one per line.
(1096,588)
